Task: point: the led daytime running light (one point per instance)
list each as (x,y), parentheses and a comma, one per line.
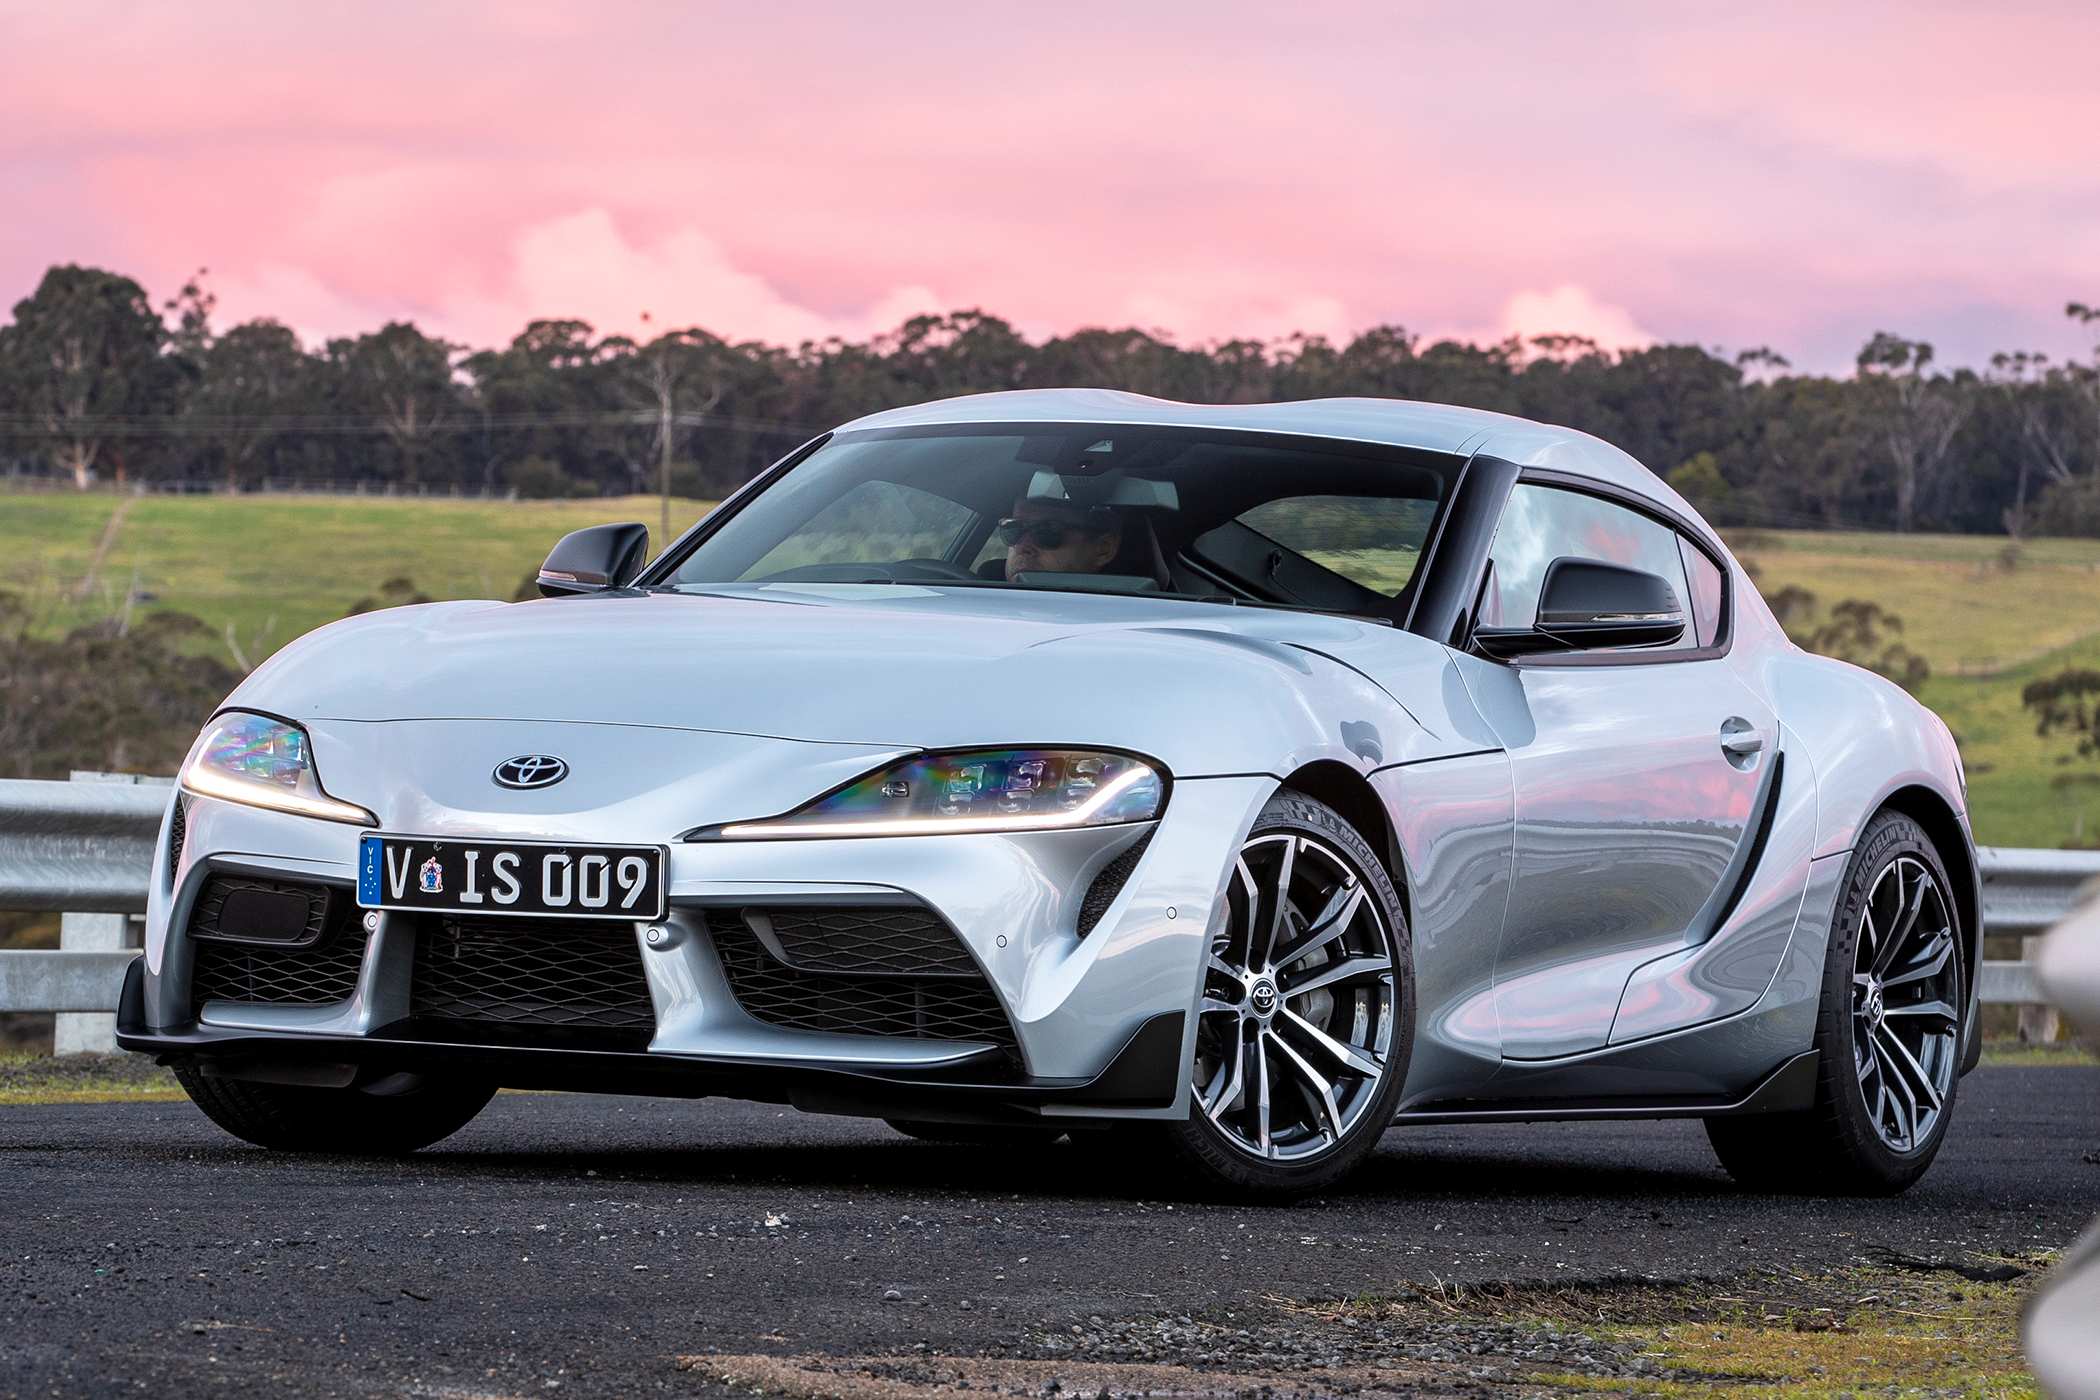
(210,782)
(257,761)
(925,826)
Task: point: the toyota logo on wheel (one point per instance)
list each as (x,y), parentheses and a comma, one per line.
(531,770)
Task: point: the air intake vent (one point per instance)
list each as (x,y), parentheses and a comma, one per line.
(272,943)
(933,1006)
(583,974)
(905,940)
(178,831)
(1109,883)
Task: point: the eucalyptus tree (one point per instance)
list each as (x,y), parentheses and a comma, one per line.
(254,383)
(401,381)
(82,369)
(1920,413)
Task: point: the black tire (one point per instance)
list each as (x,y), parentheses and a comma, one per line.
(1838,1146)
(978,1134)
(398,1115)
(1222,1162)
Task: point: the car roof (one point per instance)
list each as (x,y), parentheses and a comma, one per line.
(1429,427)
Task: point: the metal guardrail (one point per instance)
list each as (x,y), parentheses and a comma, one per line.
(61,979)
(83,847)
(2028,891)
(86,847)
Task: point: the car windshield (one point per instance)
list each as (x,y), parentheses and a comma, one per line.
(1089,507)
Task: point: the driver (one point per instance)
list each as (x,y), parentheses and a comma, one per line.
(1053,537)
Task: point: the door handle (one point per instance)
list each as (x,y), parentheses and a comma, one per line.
(1739,740)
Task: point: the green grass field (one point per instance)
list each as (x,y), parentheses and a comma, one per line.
(1988,630)
(271,568)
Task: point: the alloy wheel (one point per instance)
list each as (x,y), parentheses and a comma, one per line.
(1906,991)
(1295,1029)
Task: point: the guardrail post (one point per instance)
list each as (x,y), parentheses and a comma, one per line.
(95,1032)
(2039,1024)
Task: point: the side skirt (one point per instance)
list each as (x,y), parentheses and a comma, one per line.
(1790,1087)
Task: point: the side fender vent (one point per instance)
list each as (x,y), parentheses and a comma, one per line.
(1109,883)
(178,832)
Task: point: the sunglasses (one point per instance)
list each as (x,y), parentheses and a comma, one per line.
(1044,534)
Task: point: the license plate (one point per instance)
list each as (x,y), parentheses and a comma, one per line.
(541,879)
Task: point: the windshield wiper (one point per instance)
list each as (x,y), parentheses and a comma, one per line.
(1169,595)
(1034,587)
(1325,612)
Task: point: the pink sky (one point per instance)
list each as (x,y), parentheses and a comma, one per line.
(1798,177)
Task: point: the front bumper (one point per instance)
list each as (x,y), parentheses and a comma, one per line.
(1078,1006)
(977,1086)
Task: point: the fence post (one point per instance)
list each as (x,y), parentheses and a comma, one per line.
(95,1032)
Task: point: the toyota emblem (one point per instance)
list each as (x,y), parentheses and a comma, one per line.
(531,770)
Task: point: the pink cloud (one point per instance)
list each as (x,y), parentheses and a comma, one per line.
(584,262)
(1798,177)
(1569,310)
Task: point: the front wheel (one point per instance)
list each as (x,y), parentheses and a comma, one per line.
(398,1114)
(1888,1034)
(1307,1012)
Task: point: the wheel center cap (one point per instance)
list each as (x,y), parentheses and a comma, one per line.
(1262,997)
(1874,1008)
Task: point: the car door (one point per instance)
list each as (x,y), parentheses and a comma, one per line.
(1636,773)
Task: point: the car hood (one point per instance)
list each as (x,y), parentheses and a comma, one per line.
(899,666)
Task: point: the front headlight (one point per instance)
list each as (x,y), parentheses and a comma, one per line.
(978,790)
(264,762)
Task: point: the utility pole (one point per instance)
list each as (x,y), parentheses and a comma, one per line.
(663,441)
(663,386)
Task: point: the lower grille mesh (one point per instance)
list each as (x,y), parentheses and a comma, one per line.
(280,976)
(938,1007)
(902,940)
(531,972)
(256,972)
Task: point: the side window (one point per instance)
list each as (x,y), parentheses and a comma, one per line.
(1544,523)
(1707,596)
(877,522)
(1369,540)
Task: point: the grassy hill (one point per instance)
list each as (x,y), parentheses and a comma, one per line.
(274,567)
(270,568)
(1989,620)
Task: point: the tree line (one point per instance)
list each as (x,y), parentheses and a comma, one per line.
(98,383)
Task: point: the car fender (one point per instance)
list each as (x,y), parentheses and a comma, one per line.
(1868,738)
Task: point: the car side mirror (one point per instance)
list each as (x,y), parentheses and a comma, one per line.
(1586,604)
(594,559)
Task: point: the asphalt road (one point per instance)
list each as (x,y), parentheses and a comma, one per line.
(564,1244)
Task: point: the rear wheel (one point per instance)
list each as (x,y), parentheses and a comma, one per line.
(398,1114)
(1888,1034)
(1307,1012)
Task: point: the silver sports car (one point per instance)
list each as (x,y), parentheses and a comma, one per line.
(1247,778)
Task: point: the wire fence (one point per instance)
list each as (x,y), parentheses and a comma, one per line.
(40,485)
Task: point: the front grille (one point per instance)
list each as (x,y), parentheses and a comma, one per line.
(892,940)
(323,972)
(531,972)
(941,1006)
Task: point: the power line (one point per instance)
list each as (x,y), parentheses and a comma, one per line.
(197,425)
